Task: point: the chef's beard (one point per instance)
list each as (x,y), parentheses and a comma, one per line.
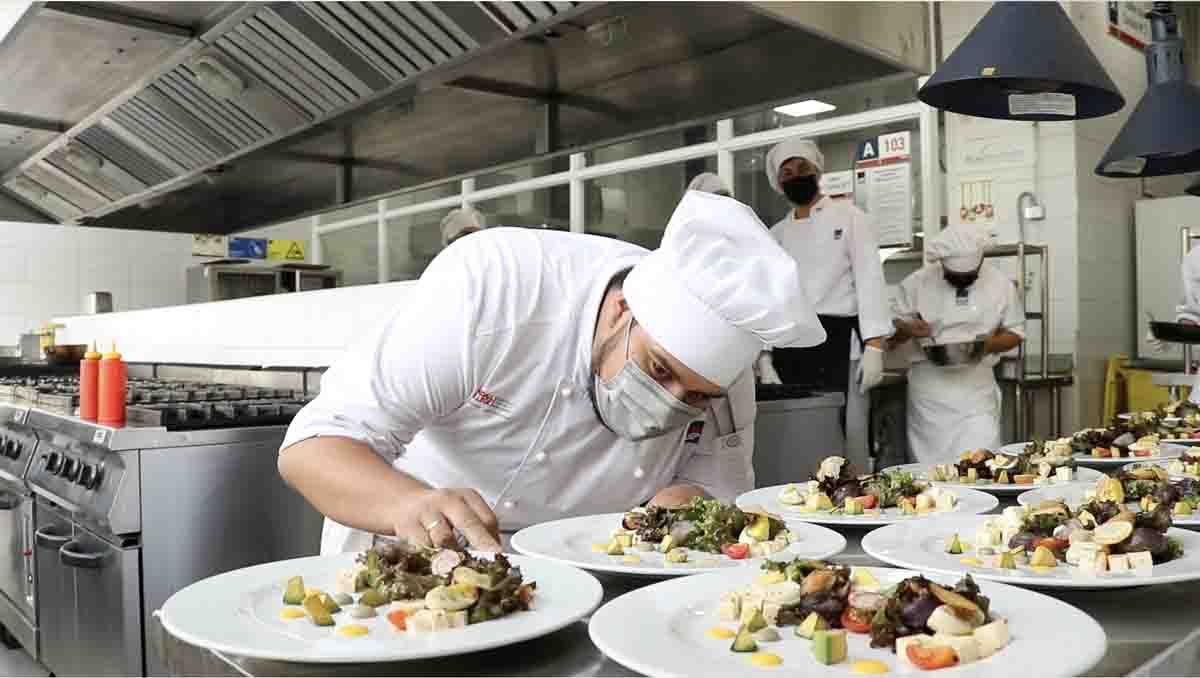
(607,347)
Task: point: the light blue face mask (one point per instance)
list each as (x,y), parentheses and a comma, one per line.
(636,407)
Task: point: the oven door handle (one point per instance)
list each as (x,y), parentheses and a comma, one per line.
(50,541)
(72,558)
(10,501)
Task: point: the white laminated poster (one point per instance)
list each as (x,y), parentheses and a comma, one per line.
(837,184)
(886,194)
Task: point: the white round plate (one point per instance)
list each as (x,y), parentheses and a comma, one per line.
(1142,464)
(570,541)
(1073,496)
(1186,442)
(1169,421)
(969,502)
(238,612)
(660,630)
(921,472)
(1105,462)
(922,546)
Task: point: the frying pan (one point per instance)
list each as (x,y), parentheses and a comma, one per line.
(1176,333)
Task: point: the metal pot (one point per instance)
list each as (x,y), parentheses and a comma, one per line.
(61,354)
(98,302)
(954,354)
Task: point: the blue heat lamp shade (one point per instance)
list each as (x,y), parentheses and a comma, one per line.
(1163,134)
(1023,61)
(1194,189)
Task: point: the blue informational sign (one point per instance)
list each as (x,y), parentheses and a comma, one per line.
(248,248)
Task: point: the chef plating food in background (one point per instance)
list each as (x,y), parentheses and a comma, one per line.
(956,297)
(1188,310)
(461,222)
(837,248)
(534,375)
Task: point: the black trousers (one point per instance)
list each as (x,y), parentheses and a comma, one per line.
(825,367)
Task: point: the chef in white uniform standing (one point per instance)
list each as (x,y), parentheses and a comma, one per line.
(837,248)
(1188,310)
(460,222)
(532,375)
(956,297)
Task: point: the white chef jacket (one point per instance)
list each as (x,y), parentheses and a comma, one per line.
(952,410)
(837,248)
(481,380)
(1189,305)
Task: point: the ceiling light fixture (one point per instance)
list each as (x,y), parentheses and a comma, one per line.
(217,79)
(1163,134)
(11,12)
(83,159)
(1023,61)
(800,109)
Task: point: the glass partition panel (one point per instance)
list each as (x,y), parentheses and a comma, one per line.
(637,205)
(353,251)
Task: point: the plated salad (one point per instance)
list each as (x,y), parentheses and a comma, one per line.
(1120,440)
(704,525)
(419,589)
(836,489)
(1039,463)
(1188,464)
(1100,536)
(927,625)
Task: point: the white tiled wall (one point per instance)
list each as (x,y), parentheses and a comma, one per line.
(46,270)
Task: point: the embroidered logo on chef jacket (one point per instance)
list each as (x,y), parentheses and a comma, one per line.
(962,298)
(837,234)
(490,402)
(694,431)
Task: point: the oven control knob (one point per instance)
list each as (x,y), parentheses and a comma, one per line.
(70,469)
(87,476)
(53,462)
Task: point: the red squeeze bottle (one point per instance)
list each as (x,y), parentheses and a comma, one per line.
(89,385)
(113,377)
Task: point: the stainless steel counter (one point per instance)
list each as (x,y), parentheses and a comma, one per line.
(1140,623)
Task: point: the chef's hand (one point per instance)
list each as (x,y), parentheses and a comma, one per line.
(919,328)
(429,517)
(870,368)
(766,369)
(677,495)
(1157,345)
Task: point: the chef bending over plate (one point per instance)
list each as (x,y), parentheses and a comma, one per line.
(533,375)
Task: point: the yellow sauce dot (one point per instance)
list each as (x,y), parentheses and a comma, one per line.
(869,667)
(765,659)
(720,633)
(631,559)
(291,613)
(600,547)
(352,630)
(971,561)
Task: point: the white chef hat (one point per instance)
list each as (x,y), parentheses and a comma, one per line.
(959,247)
(786,150)
(720,289)
(709,183)
(459,220)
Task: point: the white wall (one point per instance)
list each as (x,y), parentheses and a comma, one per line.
(46,270)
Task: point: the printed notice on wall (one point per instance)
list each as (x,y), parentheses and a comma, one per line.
(837,184)
(883,186)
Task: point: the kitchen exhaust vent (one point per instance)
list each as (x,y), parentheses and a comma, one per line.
(517,16)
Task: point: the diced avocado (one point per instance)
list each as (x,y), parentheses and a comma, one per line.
(1147,503)
(372,598)
(1003,478)
(761,529)
(668,543)
(317,612)
(972,475)
(293,593)
(330,604)
(824,503)
(829,647)
(1007,562)
(955,547)
(614,549)
(938,474)
(677,556)
(853,507)
(744,641)
(1183,508)
(907,507)
(811,624)
(625,540)
(757,621)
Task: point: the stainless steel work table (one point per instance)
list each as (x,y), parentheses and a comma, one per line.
(1140,623)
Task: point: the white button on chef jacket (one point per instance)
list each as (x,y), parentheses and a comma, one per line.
(837,247)
(486,363)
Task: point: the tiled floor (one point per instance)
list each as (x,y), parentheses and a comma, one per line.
(18,663)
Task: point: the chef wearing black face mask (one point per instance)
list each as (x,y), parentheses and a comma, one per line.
(837,249)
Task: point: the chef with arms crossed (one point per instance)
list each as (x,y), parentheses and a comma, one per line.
(533,375)
(956,297)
